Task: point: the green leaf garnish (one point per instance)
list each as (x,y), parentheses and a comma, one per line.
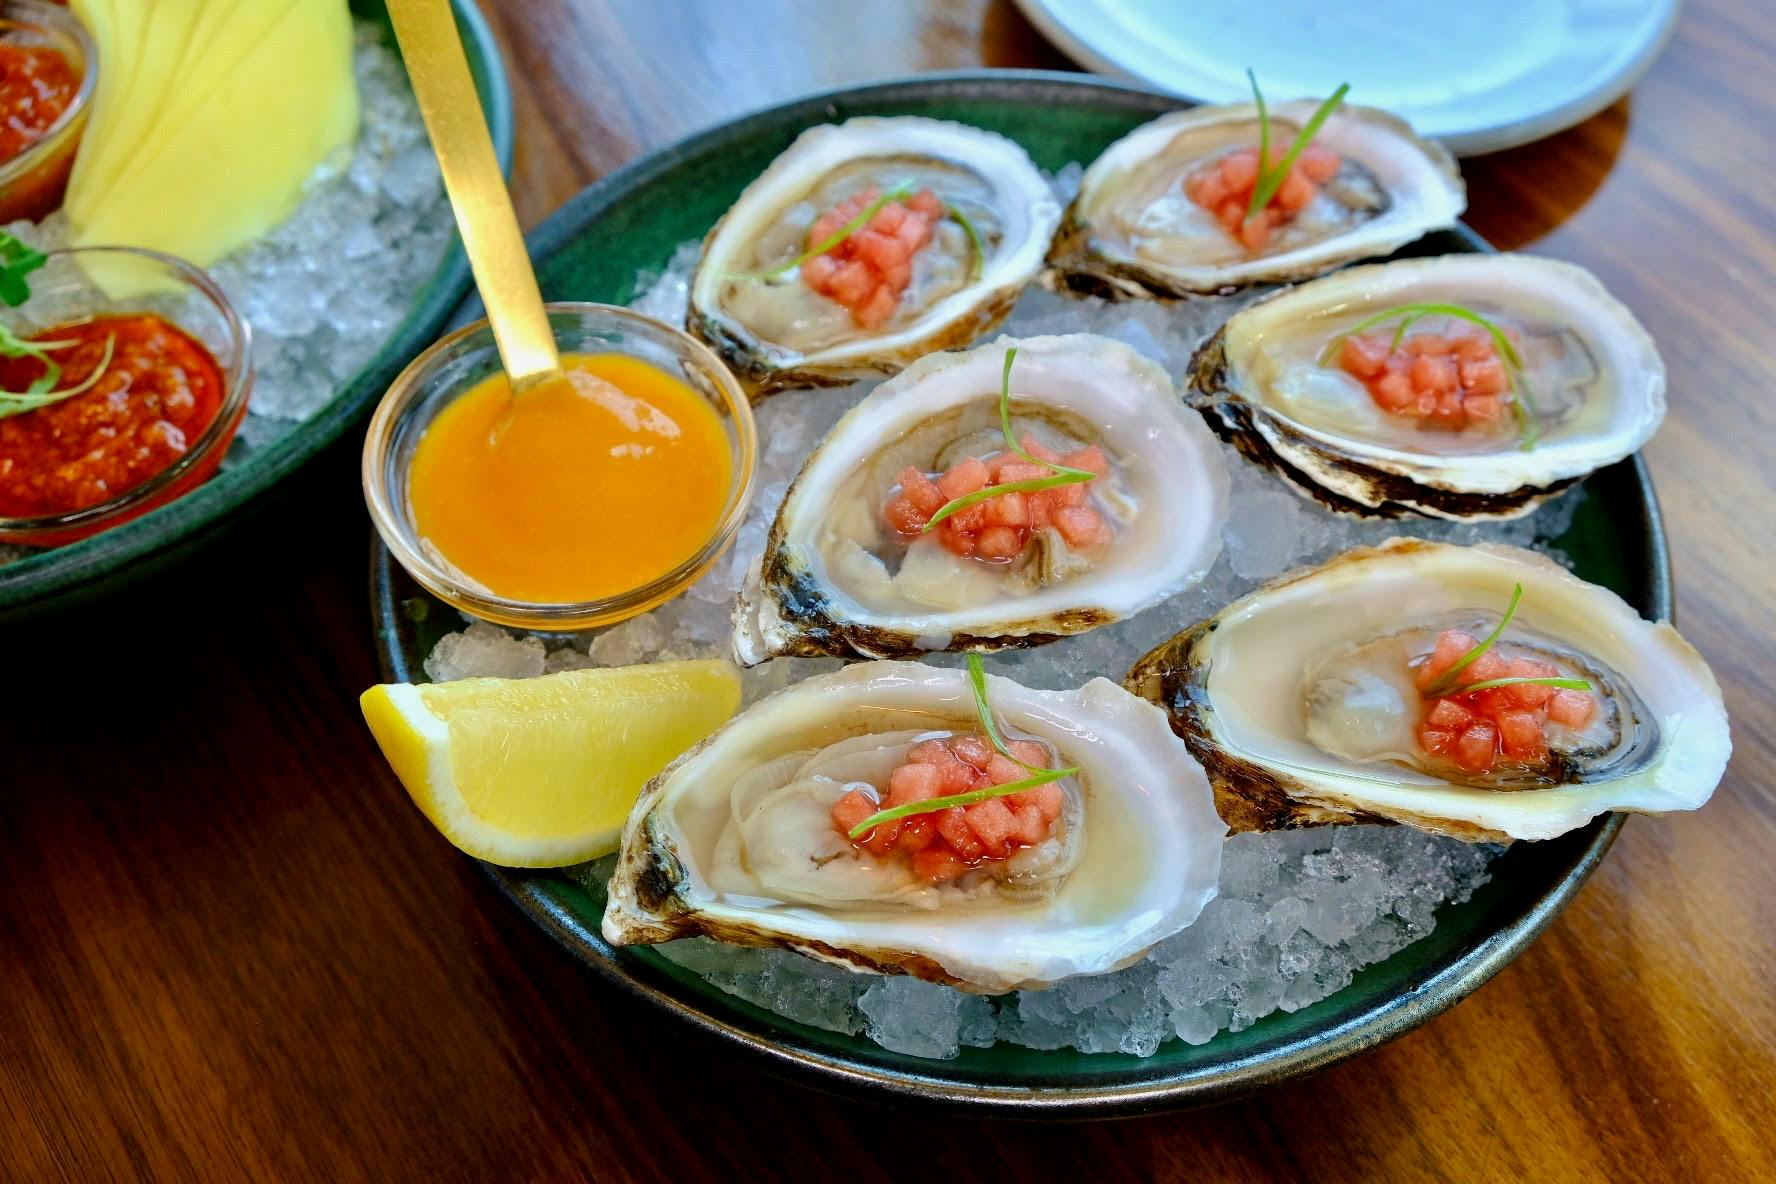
(977,253)
(1270,179)
(1446,682)
(933,805)
(1565,684)
(904,189)
(1523,407)
(17,260)
(1064,475)
(42,392)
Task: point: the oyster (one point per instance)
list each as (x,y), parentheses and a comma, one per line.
(1306,700)
(991,216)
(1133,230)
(1590,390)
(736,839)
(837,578)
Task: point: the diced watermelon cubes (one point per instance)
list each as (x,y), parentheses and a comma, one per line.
(952,825)
(938,865)
(1572,709)
(993,824)
(1476,749)
(914,783)
(985,830)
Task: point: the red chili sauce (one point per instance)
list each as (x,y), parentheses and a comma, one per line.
(36,86)
(160,391)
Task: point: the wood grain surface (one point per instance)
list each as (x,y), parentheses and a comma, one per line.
(231,949)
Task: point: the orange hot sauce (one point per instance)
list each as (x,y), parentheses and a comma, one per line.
(575,491)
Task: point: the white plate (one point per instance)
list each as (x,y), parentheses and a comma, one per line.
(1479,75)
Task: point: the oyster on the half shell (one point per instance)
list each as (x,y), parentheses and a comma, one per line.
(837,579)
(771,325)
(1590,391)
(735,840)
(1134,231)
(1303,699)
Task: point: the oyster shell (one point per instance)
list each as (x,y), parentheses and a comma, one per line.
(1598,379)
(1132,231)
(734,840)
(1286,699)
(777,332)
(835,580)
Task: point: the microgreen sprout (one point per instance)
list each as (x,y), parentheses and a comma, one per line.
(18,260)
(42,393)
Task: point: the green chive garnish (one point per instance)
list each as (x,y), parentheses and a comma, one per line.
(1063,474)
(1523,407)
(904,189)
(977,253)
(1565,684)
(977,678)
(933,805)
(1271,179)
(1447,681)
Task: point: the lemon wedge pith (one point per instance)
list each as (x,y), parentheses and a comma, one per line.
(542,772)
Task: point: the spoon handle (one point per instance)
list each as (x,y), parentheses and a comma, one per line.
(433,51)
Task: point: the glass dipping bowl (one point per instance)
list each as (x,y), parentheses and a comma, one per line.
(32,183)
(458,362)
(63,291)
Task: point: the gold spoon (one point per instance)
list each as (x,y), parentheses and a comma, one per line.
(426,30)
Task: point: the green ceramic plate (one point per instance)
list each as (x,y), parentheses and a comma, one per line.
(105,561)
(632,220)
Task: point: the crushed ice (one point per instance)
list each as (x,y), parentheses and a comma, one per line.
(1299,912)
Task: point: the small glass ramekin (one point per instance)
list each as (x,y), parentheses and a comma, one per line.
(63,292)
(32,183)
(457,363)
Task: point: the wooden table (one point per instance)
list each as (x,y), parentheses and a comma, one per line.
(233,951)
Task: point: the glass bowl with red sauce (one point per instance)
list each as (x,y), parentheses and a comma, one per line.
(48,67)
(174,373)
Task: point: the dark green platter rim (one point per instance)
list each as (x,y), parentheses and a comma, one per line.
(126,552)
(631,219)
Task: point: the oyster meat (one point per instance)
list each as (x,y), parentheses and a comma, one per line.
(736,840)
(1135,229)
(843,575)
(1463,431)
(943,265)
(1329,696)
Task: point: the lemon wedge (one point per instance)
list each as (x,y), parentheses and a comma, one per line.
(542,772)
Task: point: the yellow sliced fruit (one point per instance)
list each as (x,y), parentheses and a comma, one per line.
(163,31)
(206,142)
(542,772)
(116,32)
